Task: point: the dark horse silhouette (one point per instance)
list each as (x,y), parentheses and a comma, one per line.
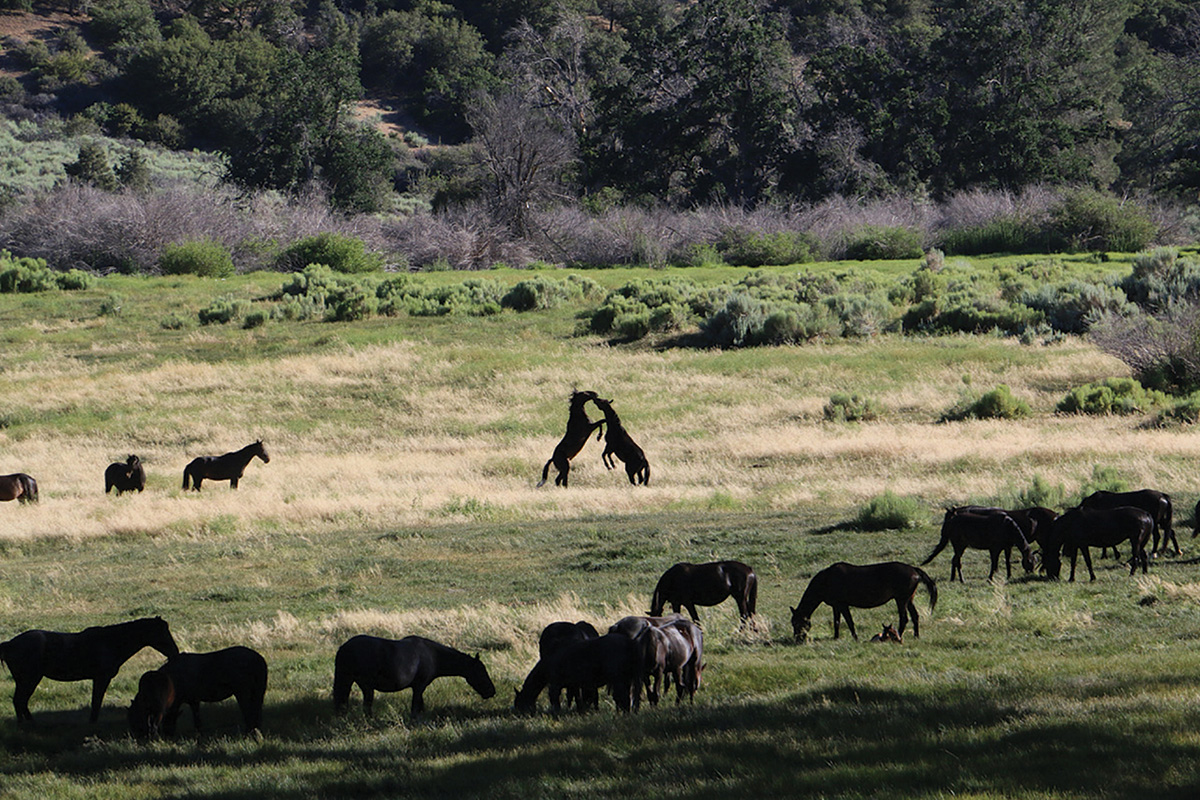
(1156,504)
(1081,528)
(94,654)
(18,486)
(579,428)
(389,665)
(584,667)
(671,650)
(129,476)
(554,637)
(1033,521)
(986,529)
(228,467)
(844,585)
(618,442)
(689,585)
(195,678)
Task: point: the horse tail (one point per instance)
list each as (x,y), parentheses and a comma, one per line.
(545,473)
(930,586)
(645,473)
(30,487)
(751,594)
(940,546)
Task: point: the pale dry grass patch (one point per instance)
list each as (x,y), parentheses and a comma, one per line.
(1152,588)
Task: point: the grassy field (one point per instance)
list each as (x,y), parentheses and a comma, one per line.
(400,499)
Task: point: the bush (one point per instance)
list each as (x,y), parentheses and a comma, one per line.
(537,293)
(1104,479)
(852,408)
(1090,220)
(205,258)
(889,511)
(1112,396)
(24,275)
(340,253)
(746,248)
(223,310)
(1001,235)
(999,403)
(1041,493)
(873,243)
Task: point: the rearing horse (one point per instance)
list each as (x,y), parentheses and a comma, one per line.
(228,467)
(579,428)
(19,487)
(618,442)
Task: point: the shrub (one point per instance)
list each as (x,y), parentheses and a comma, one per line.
(24,275)
(1041,493)
(1074,306)
(1090,220)
(536,293)
(1185,411)
(1160,278)
(1112,396)
(738,324)
(340,253)
(205,258)
(889,511)
(1104,479)
(999,403)
(255,319)
(745,248)
(852,408)
(223,310)
(73,279)
(872,243)
(349,303)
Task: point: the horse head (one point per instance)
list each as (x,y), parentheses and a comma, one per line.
(156,693)
(261,452)
(479,679)
(800,625)
(160,637)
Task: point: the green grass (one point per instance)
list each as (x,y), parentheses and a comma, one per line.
(399,500)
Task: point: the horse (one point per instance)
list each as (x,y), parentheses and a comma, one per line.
(584,667)
(1156,504)
(618,442)
(389,665)
(989,529)
(125,477)
(1093,527)
(94,654)
(579,428)
(888,634)
(672,651)
(195,678)
(843,585)
(554,637)
(227,467)
(689,585)
(19,487)
(1032,521)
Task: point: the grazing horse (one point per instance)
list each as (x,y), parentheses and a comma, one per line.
(389,665)
(844,585)
(579,428)
(988,529)
(689,585)
(585,667)
(554,637)
(94,654)
(125,477)
(1156,504)
(195,678)
(228,467)
(670,649)
(1093,527)
(888,634)
(1033,521)
(18,486)
(618,442)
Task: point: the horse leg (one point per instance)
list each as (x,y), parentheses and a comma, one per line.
(995,556)
(902,607)
(171,719)
(850,622)
(418,701)
(1087,559)
(368,699)
(195,715)
(916,620)
(1008,562)
(956,566)
(691,607)
(99,687)
(21,694)
(564,470)
(837,622)
(234,481)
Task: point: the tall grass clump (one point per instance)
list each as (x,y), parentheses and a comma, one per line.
(341,253)
(889,511)
(999,403)
(843,407)
(205,258)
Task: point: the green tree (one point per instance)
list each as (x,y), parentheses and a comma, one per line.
(92,167)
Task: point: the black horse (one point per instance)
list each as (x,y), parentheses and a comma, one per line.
(689,585)
(94,654)
(844,585)
(554,637)
(1033,521)
(1082,528)
(671,651)
(389,665)
(579,428)
(585,667)
(129,476)
(195,678)
(228,467)
(987,529)
(618,442)
(1156,504)
(19,487)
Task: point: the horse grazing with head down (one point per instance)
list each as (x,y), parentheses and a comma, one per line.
(618,442)
(94,654)
(1082,528)
(579,428)
(195,678)
(19,487)
(389,665)
(982,529)
(671,650)
(844,585)
(689,585)
(228,467)
(129,476)
(583,668)
(554,637)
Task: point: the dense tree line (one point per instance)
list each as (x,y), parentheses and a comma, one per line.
(650,101)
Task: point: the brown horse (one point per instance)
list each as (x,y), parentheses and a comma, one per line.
(844,585)
(554,637)
(1156,504)
(618,442)
(1082,528)
(689,585)
(227,467)
(987,529)
(129,476)
(18,486)
(195,678)
(389,665)
(94,654)
(579,428)
(672,652)
(888,634)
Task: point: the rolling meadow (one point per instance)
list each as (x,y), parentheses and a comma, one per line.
(401,499)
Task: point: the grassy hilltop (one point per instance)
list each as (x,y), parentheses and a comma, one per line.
(400,499)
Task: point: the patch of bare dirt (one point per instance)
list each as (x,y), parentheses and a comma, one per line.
(25,26)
